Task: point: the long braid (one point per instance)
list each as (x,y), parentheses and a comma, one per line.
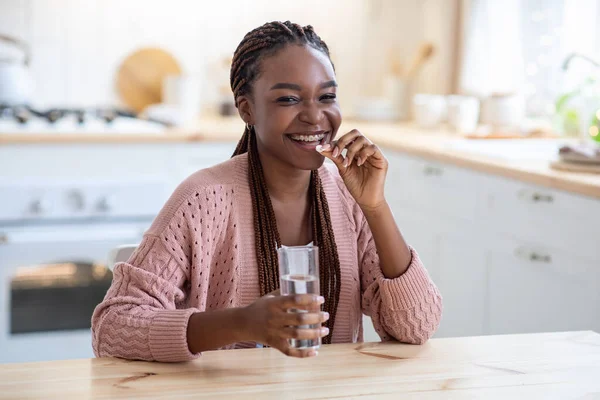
(256,45)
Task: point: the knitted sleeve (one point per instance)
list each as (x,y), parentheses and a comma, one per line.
(407,308)
(145,313)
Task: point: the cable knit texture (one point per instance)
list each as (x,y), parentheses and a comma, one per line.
(199,255)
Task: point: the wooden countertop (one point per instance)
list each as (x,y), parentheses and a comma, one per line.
(431,145)
(542,366)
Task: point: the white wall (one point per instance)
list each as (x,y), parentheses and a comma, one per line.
(77,45)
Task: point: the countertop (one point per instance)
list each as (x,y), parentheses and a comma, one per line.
(541,366)
(436,145)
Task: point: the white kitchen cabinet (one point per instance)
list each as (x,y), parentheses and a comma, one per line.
(558,219)
(461,279)
(191,157)
(418,234)
(533,288)
(507,256)
(432,187)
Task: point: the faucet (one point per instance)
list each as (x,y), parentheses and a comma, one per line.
(571,56)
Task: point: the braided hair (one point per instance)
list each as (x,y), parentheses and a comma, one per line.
(245,68)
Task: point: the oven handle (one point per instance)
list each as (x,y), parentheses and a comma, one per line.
(124,234)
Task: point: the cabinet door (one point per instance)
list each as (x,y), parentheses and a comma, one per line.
(437,188)
(454,256)
(420,233)
(192,157)
(556,218)
(462,282)
(533,288)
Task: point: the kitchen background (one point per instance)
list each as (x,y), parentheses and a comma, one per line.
(77,46)
(449,88)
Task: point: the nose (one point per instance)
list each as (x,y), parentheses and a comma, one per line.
(311,113)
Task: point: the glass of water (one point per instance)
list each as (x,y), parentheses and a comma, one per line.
(299,274)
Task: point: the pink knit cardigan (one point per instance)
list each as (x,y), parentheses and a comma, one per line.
(199,255)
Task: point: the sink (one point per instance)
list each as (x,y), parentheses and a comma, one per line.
(510,149)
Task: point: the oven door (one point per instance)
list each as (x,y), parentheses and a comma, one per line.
(51,279)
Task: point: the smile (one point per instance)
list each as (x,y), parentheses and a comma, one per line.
(308,138)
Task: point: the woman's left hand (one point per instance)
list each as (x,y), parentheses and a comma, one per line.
(363,169)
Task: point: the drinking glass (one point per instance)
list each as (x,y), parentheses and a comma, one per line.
(299,274)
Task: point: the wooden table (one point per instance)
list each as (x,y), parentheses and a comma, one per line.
(541,366)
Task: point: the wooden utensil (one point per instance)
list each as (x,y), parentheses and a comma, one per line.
(140,77)
(424,53)
(395,63)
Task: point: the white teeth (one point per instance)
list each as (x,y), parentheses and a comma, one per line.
(308,138)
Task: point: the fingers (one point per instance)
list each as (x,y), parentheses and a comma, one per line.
(274,293)
(366,152)
(283,345)
(303,318)
(301,302)
(326,150)
(345,141)
(358,147)
(355,147)
(304,334)
(300,353)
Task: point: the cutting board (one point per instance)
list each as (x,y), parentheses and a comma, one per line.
(576,167)
(140,76)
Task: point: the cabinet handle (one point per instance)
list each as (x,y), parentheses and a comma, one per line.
(3,238)
(536,257)
(535,197)
(533,255)
(542,198)
(431,170)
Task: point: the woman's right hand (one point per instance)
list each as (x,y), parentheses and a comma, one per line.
(270,323)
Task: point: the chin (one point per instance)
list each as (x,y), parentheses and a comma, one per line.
(309,163)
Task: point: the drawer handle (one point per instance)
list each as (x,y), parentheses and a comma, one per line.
(544,258)
(431,170)
(542,198)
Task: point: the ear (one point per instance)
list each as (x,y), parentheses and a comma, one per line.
(245,109)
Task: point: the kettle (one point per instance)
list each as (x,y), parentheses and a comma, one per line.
(16,83)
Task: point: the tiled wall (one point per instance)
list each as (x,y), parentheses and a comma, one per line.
(77,45)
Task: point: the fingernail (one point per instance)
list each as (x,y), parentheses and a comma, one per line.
(336,152)
(320,299)
(326,147)
(324,331)
(326,315)
(346,163)
(319,148)
(313,353)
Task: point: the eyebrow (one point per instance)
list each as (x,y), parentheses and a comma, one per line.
(328,84)
(293,86)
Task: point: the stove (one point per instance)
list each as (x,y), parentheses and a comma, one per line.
(55,236)
(26,119)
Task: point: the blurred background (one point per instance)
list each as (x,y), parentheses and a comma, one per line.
(487,110)
(478,47)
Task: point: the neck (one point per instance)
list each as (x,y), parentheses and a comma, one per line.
(284,182)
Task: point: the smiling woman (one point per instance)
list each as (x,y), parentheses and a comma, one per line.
(205,276)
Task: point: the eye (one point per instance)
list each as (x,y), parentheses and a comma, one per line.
(287,100)
(329,97)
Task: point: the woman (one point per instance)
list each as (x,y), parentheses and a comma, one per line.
(204,276)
